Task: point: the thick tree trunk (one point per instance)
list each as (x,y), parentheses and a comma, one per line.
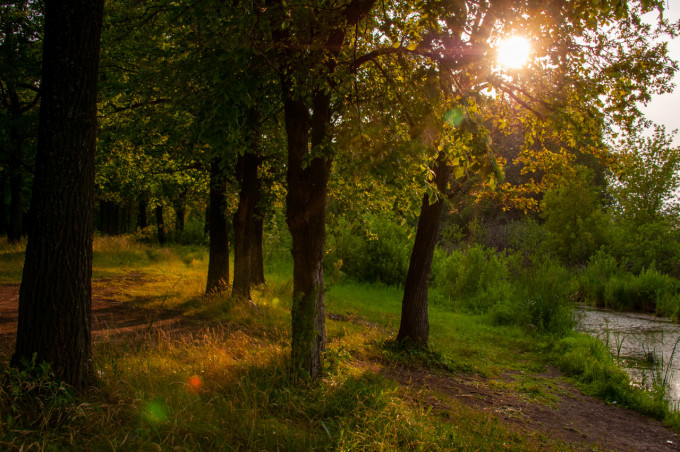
(160,224)
(306,217)
(16,186)
(218,263)
(245,224)
(415,325)
(55,295)
(142,205)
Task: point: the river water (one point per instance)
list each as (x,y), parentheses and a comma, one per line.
(645,345)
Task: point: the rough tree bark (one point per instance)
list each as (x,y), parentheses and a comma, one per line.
(306,217)
(415,326)
(218,262)
(245,221)
(55,294)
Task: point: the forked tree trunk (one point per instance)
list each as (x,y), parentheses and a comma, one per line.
(306,218)
(55,295)
(415,326)
(218,262)
(245,234)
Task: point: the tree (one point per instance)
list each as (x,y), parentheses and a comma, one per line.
(564,89)
(20,29)
(647,178)
(55,294)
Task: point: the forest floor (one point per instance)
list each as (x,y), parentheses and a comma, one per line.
(569,416)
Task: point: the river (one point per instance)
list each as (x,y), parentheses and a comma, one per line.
(645,345)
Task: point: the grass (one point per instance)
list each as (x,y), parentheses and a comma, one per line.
(220,380)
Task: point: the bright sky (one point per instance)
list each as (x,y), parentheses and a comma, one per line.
(665,109)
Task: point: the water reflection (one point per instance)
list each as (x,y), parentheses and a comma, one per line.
(643,343)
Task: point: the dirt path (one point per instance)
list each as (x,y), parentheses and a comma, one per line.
(584,422)
(108,315)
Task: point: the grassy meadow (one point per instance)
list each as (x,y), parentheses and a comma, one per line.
(218,379)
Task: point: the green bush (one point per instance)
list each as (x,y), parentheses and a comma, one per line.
(592,281)
(474,279)
(538,300)
(645,292)
(378,251)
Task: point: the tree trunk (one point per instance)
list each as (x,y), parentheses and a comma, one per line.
(245,235)
(142,205)
(415,325)
(257,267)
(306,218)
(55,295)
(109,217)
(16,186)
(218,262)
(160,223)
(180,207)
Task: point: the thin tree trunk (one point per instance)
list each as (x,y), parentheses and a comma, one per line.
(415,324)
(218,263)
(160,223)
(142,205)
(55,294)
(306,218)
(180,214)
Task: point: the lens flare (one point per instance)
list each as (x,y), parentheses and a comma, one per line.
(194,383)
(513,52)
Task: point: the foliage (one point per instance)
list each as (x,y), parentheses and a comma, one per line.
(639,246)
(588,360)
(538,301)
(473,279)
(647,178)
(594,277)
(574,219)
(377,249)
(32,398)
(643,292)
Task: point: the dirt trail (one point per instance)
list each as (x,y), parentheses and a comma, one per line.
(584,422)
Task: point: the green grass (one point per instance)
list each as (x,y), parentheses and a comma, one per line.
(222,382)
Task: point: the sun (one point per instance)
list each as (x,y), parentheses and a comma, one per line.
(513,52)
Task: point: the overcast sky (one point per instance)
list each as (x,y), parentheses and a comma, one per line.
(665,109)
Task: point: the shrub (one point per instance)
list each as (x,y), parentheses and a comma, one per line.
(538,301)
(379,251)
(592,281)
(648,291)
(473,279)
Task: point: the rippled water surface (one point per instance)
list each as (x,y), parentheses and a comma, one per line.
(643,343)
